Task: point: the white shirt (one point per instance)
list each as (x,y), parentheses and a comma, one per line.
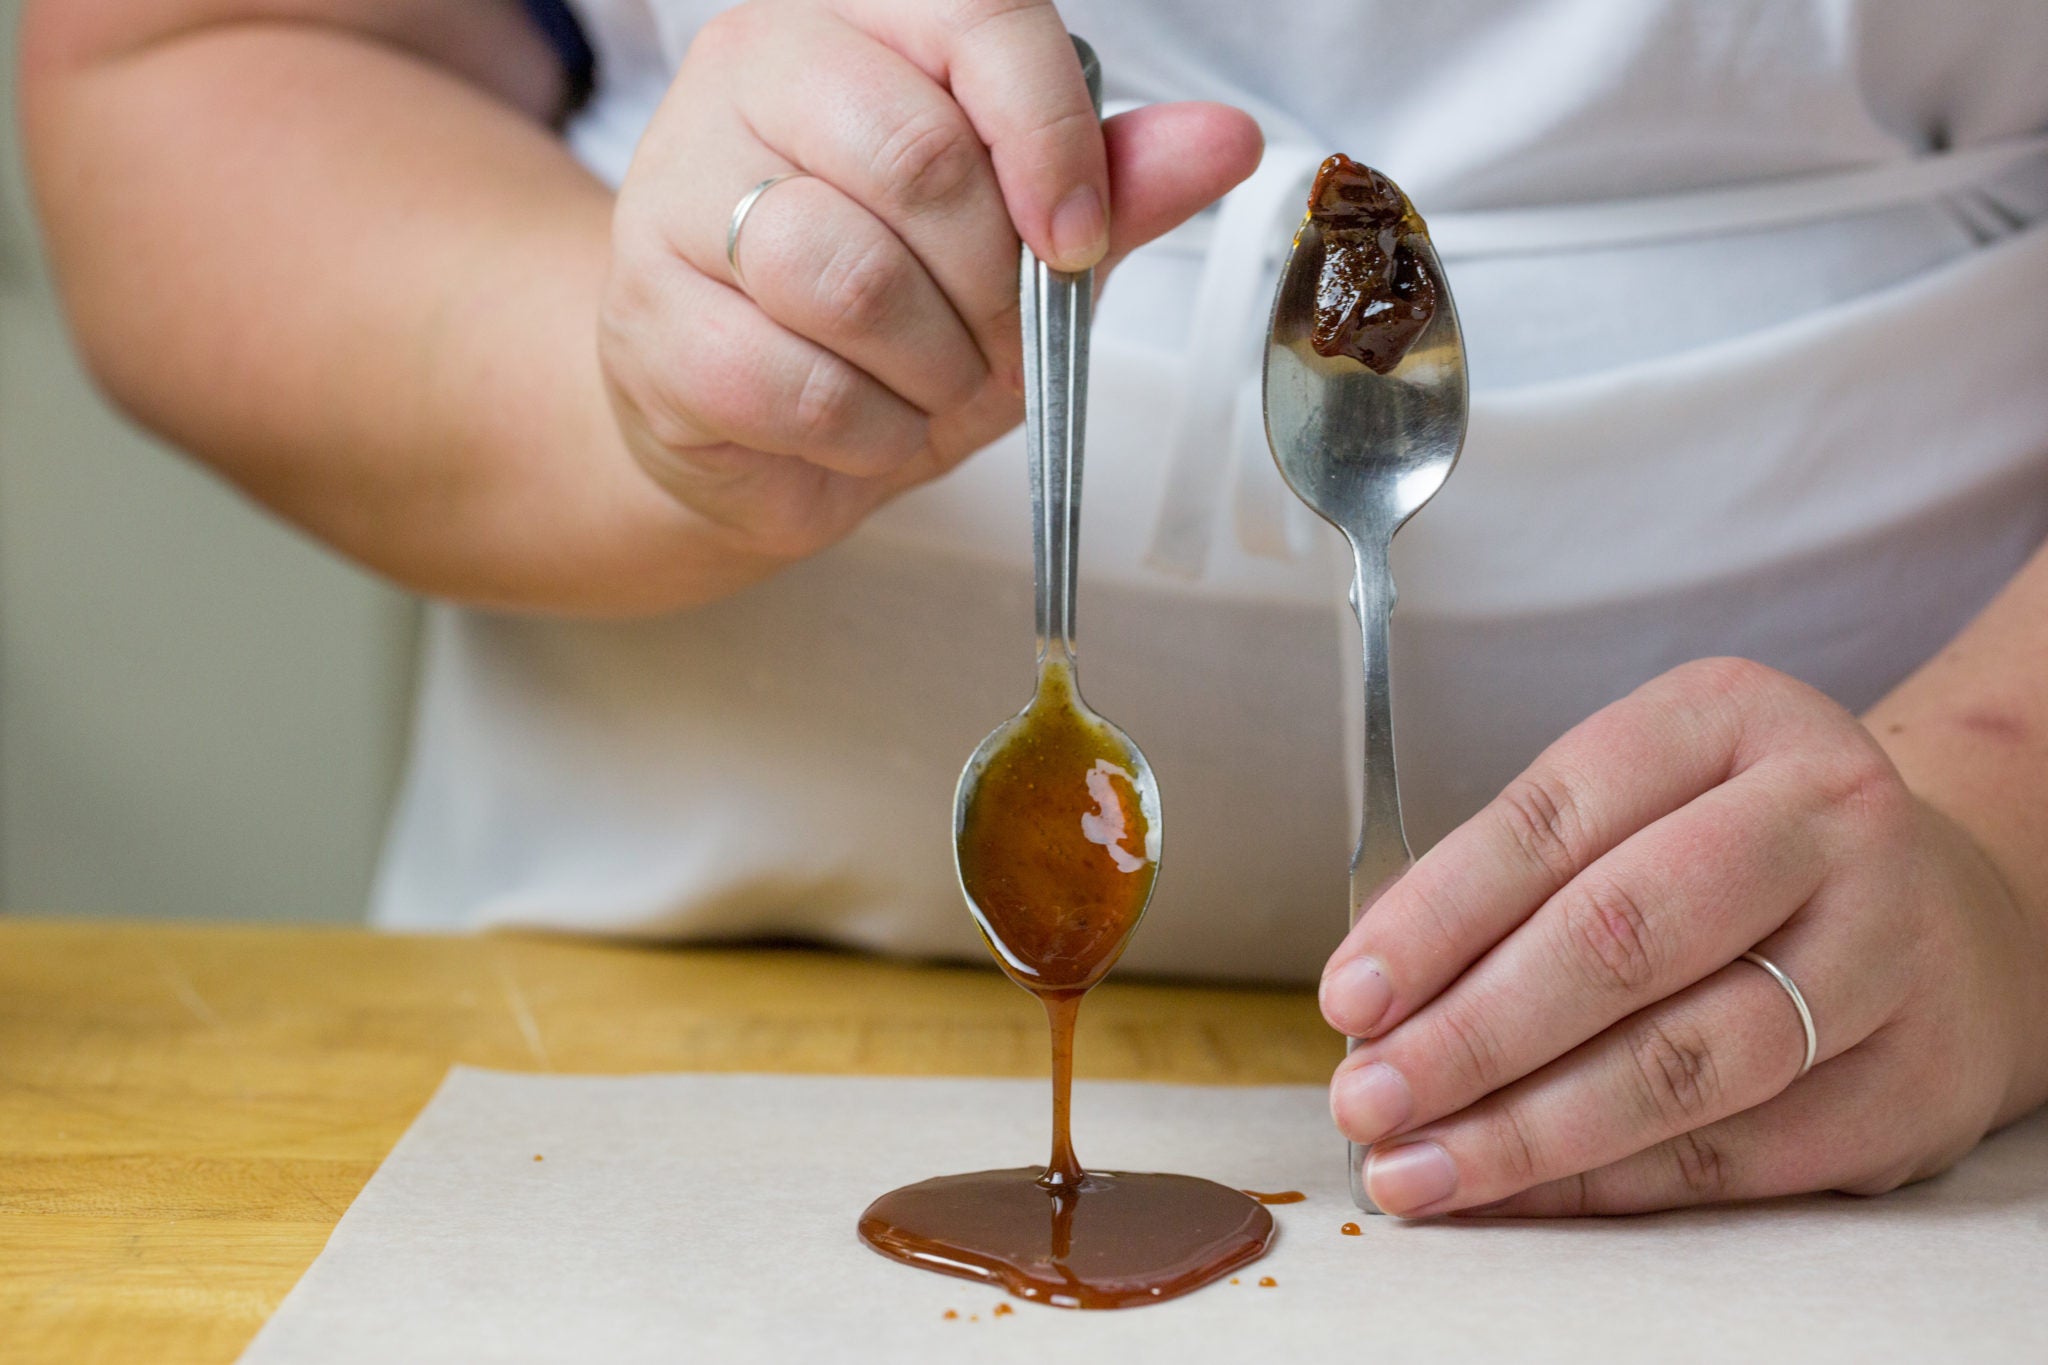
(1791,402)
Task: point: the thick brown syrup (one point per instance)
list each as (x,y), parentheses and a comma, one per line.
(1057,855)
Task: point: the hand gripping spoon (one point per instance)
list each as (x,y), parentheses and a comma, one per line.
(1365,450)
(1056,816)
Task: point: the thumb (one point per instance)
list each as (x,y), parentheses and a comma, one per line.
(1167,162)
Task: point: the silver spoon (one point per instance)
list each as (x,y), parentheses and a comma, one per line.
(1057,307)
(1365,451)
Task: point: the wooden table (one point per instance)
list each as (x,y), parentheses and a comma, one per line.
(185,1112)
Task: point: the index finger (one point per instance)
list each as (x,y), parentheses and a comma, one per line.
(1628,765)
(1013,71)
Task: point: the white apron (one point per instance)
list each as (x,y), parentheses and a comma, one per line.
(1753,294)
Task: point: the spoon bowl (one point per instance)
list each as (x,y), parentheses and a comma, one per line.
(1365,451)
(1017,774)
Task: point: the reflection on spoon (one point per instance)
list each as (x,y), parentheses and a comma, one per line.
(1105,824)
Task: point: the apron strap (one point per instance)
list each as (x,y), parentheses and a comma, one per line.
(1226,336)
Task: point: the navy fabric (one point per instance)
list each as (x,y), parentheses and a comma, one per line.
(554,19)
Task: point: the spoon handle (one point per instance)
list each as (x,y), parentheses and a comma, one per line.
(1057,308)
(1382,854)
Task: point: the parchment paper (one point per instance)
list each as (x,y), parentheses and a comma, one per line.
(711,1218)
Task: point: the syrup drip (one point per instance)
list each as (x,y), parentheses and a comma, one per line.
(1058,855)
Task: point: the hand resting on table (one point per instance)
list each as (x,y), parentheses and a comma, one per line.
(1556,1017)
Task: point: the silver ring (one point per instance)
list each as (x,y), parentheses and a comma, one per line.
(739,220)
(1798,1003)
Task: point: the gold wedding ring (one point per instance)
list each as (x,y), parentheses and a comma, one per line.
(739,220)
(1798,1003)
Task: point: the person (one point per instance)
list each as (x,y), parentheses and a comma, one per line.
(1759,442)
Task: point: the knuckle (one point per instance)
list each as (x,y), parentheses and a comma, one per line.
(1728,676)
(1701,1165)
(964,386)
(1476,1059)
(667,422)
(1575,1195)
(1516,1149)
(724,33)
(1430,923)
(1676,1076)
(930,159)
(1543,816)
(1611,930)
(1078,124)
(861,287)
(827,404)
(665,418)
(1864,788)
(1883,1180)
(963,17)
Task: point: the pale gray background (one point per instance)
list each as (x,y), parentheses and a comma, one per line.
(201,713)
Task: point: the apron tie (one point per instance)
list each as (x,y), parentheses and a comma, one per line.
(1227,333)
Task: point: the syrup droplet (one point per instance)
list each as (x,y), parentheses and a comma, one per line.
(1003,1310)
(1267,1282)
(1349,1229)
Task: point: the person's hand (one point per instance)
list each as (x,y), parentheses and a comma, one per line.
(1557,1016)
(874,342)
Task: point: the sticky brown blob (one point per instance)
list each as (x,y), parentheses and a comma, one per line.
(1349,1230)
(1376,292)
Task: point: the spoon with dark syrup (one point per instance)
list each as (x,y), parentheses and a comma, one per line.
(1366,407)
(1056,838)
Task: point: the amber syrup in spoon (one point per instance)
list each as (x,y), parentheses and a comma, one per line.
(1056,836)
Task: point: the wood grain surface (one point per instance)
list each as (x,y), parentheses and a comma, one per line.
(186,1112)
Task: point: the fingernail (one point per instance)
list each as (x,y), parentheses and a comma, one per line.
(1410,1177)
(1371,1102)
(1080,230)
(1356,996)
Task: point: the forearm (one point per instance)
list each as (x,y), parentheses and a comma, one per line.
(363,285)
(1969,732)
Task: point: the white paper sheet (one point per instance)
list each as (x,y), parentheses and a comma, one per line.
(711,1218)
